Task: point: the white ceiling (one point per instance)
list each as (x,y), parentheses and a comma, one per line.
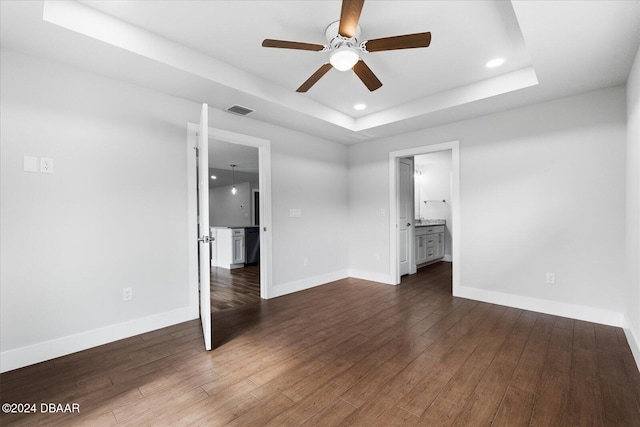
(209,51)
(232,32)
(223,154)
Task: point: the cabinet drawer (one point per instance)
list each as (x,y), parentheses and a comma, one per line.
(421,231)
(238,232)
(434,229)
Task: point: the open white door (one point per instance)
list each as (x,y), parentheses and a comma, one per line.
(405,215)
(204,265)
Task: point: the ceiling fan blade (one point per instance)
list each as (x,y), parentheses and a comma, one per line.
(292,45)
(349,17)
(407,41)
(366,75)
(314,78)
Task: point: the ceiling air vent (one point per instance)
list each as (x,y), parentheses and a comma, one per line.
(238,109)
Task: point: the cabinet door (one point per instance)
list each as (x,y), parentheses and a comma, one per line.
(238,249)
(424,248)
(440,245)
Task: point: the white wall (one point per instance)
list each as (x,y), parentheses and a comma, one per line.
(542,190)
(311,176)
(110,216)
(229,210)
(114,213)
(632,314)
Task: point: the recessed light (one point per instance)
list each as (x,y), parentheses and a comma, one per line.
(214,177)
(494,63)
(359,106)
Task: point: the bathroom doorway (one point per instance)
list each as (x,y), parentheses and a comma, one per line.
(453,226)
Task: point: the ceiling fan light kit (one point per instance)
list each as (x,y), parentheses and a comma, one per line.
(343,41)
(345,54)
(344,58)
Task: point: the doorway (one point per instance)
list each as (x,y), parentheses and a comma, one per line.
(394,201)
(263,269)
(234,215)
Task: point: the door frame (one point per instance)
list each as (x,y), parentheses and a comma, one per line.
(394,158)
(264,179)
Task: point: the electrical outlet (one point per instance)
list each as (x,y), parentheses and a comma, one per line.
(295,213)
(127,294)
(46,165)
(305,261)
(551,278)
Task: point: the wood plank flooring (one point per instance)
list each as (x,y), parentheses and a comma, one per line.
(350,352)
(234,288)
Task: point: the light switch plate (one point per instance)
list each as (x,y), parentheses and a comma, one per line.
(30,164)
(46,165)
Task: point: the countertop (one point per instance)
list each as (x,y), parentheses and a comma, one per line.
(232,226)
(430,222)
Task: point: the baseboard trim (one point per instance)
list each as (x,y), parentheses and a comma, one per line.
(40,352)
(371,276)
(573,311)
(306,283)
(633,343)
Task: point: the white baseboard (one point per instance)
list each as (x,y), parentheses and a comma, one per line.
(573,311)
(306,283)
(36,353)
(633,343)
(372,276)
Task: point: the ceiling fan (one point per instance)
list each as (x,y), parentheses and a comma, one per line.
(343,42)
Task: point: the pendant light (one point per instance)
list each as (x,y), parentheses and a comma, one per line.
(233,180)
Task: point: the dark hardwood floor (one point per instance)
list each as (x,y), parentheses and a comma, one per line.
(350,352)
(234,288)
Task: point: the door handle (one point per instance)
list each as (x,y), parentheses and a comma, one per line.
(206,239)
(408,224)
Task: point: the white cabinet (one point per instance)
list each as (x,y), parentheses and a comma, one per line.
(429,243)
(439,246)
(227,250)
(238,246)
(421,246)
